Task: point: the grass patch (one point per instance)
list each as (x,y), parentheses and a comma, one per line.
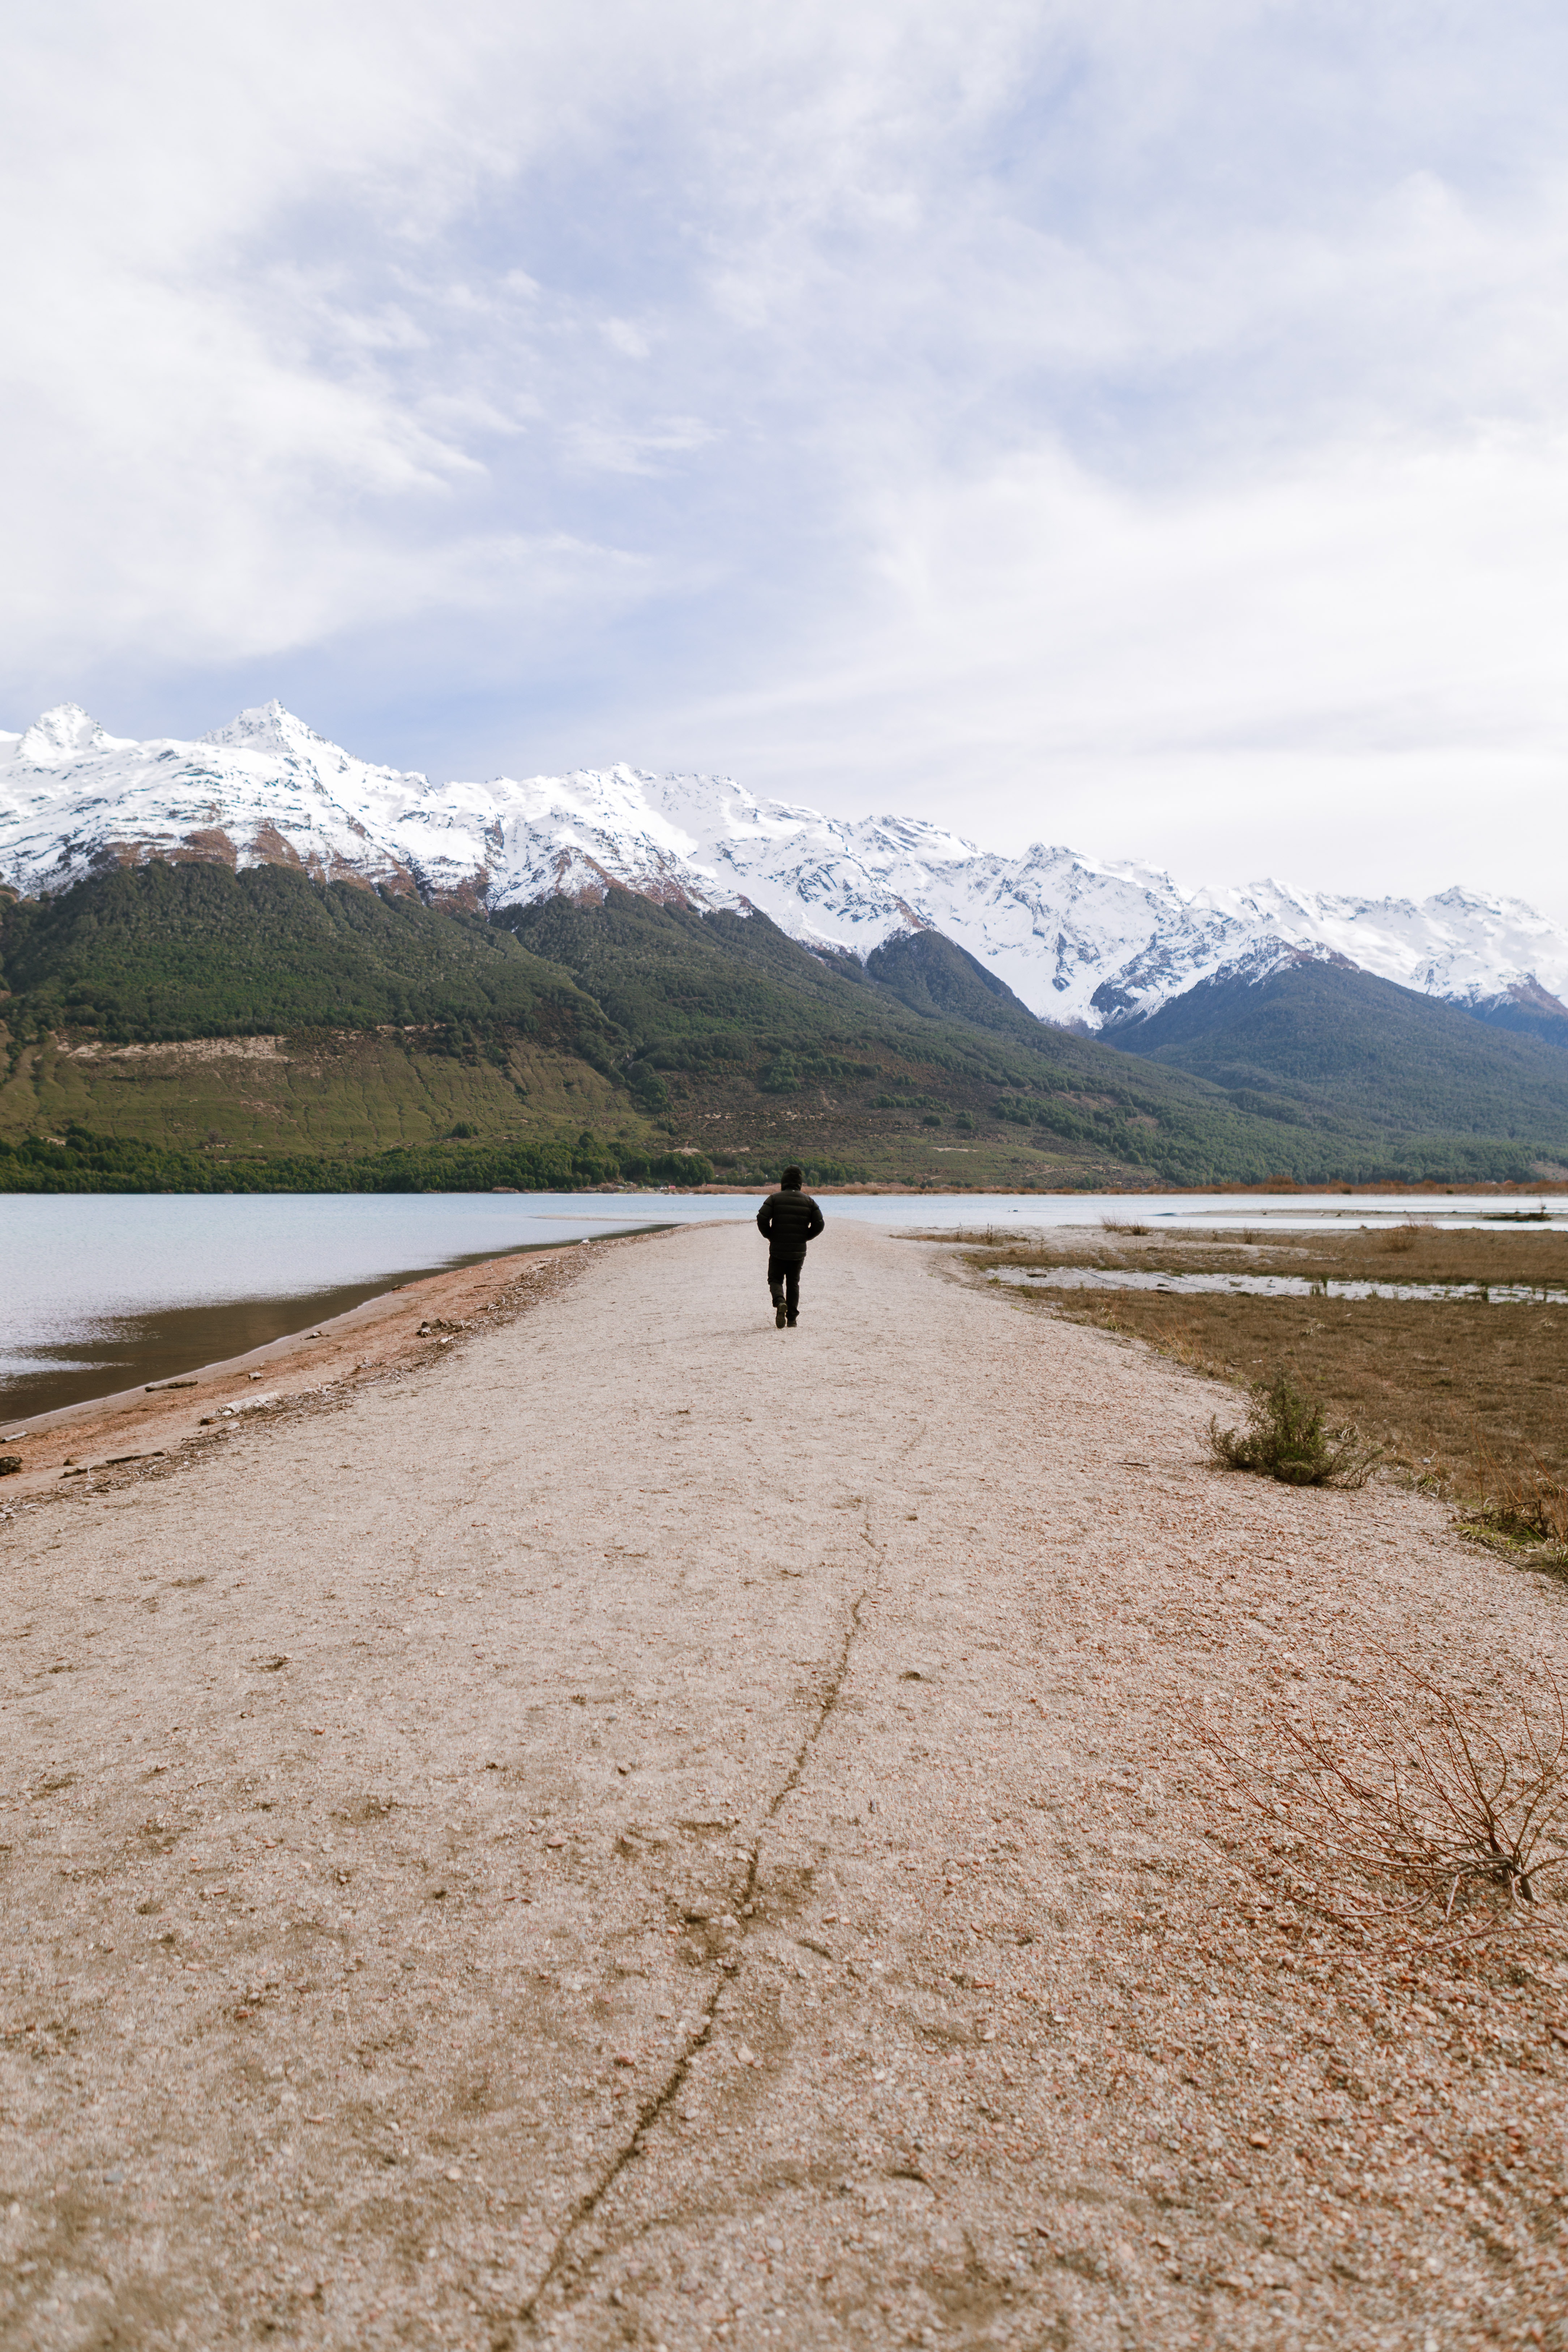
(1522,1509)
(1468,1396)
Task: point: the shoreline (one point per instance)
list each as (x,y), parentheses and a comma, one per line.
(140,1406)
(143,1428)
(944,1187)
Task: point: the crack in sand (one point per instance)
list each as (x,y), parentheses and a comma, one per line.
(659,2103)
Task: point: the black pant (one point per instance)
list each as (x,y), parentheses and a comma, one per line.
(786,1272)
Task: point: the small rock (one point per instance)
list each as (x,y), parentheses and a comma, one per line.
(9,1464)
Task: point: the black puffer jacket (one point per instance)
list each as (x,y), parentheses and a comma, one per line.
(790,1220)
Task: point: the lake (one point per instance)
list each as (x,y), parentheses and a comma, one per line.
(100,1291)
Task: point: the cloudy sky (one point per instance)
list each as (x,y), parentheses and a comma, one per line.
(1129,424)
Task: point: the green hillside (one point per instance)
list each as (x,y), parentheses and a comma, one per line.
(756,1047)
(1528,1010)
(194,951)
(934,976)
(183,1028)
(1338,1052)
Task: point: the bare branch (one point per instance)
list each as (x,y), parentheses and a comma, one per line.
(1415,1810)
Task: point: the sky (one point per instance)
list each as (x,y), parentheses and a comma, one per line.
(1138,426)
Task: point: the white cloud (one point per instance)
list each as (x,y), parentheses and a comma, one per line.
(1131,423)
(625,337)
(1255,673)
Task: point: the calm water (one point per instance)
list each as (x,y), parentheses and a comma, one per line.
(98,1292)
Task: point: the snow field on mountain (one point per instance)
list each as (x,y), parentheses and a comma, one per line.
(1080,940)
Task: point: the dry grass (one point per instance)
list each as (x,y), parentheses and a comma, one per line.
(1468,1396)
(1527,1507)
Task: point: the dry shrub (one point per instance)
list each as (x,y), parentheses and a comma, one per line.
(1287,1437)
(1400,1239)
(1411,1814)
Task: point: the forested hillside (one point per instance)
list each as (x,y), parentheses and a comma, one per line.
(195,950)
(1344,1052)
(183,1027)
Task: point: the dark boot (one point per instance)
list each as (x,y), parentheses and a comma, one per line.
(779,1316)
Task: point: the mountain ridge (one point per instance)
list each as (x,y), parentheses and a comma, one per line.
(1084,944)
(1313,1038)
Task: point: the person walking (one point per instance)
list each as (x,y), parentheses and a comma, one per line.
(789,1218)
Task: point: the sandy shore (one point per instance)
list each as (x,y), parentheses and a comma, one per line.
(635,1827)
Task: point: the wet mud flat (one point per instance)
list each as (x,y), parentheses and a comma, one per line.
(139,1431)
(161,1343)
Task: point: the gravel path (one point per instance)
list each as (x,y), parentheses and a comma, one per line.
(658,1831)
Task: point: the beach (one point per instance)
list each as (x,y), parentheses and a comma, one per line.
(601,1822)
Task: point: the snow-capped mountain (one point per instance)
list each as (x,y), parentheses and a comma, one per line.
(1080,940)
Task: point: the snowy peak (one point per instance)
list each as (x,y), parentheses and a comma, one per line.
(1092,943)
(271,729)
(60,733)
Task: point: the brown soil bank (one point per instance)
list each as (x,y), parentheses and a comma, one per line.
(652,1830)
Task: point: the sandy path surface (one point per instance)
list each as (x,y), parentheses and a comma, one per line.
(656,1831)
